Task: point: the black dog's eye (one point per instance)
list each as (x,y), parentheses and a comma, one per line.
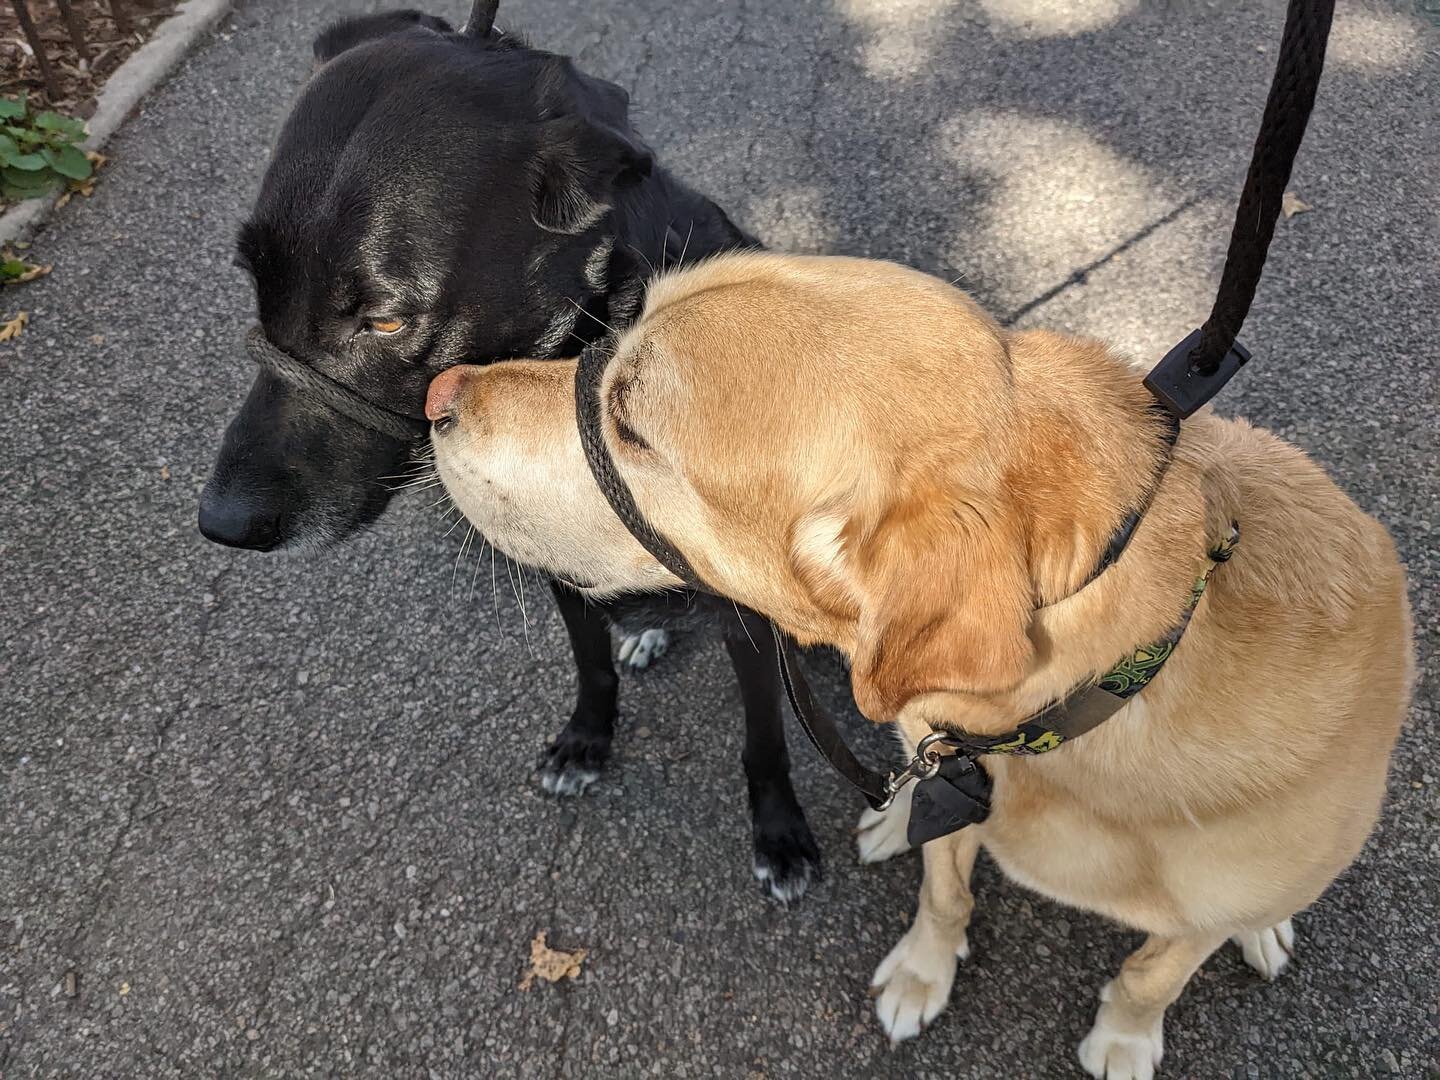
(384,326)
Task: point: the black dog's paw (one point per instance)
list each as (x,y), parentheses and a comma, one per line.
(639,649)
(787,860)
(573,761)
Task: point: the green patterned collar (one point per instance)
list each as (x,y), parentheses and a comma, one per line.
(1092,703)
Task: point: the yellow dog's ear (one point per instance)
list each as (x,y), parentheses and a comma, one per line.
(946,603)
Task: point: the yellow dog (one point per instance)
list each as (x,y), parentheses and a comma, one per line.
(859,452)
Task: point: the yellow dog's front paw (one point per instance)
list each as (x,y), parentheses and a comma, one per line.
(913,983)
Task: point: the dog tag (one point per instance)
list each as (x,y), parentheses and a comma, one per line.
(956,796)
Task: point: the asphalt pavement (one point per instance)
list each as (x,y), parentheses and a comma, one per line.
(276,815)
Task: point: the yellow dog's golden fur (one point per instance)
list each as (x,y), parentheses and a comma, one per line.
(859,452)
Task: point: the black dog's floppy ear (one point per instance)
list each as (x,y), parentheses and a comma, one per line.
(579,167)
(348,33)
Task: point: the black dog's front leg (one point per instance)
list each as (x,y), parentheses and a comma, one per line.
(572,762)
(786,855)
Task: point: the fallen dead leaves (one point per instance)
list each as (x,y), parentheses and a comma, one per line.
(549,964)
(85,187)
(1291,204)
(17,271)
(12,328)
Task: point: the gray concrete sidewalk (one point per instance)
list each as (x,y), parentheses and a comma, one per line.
(277,813)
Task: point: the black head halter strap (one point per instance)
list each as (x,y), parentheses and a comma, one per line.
(877,787)
(588,416)
(335,395)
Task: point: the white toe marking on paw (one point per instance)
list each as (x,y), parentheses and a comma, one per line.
(1268,951)
(913,983)
(787,892)
(880,834)
(572,781)
(640,650)
(1113,1052)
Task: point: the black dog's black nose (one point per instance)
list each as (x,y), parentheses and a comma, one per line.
(238,522)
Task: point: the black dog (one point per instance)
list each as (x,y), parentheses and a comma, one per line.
(438,197)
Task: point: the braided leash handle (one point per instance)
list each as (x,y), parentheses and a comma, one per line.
(1195,370)
(1287,111)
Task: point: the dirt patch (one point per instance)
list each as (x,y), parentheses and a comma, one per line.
(110,36)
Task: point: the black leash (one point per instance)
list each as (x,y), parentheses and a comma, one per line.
(336,395)
(1194,371)
(953,791)
(878,788)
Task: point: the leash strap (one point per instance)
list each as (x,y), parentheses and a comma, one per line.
(336,395)
(1195,370)
(820,727)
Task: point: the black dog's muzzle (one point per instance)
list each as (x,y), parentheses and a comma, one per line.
(335,395)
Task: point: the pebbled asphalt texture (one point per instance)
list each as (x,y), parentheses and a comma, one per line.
(273,816)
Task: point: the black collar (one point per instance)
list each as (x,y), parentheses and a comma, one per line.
(1120,538)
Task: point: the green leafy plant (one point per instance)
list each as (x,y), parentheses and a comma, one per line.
(39,151)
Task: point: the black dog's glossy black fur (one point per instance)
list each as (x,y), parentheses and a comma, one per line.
(494,201)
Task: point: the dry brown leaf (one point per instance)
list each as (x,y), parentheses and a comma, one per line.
(549,964)
(84,187)
(1291,204)
(31,272)
(164,472)
(12,328)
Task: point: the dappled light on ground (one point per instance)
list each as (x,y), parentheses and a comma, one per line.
(1057,199)
(796,218)
(901,34)
(1375,42)
(1056,18)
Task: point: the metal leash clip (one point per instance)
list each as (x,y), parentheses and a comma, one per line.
(925,764)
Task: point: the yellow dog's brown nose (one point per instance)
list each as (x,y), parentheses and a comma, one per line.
(445,390)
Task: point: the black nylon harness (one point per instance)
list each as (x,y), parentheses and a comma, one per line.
(954,791)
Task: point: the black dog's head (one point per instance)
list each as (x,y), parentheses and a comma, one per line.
(433,197)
